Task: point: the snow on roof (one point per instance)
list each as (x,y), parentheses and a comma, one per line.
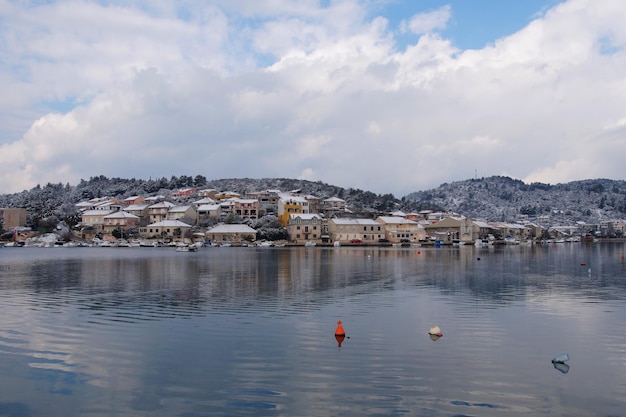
(97,212)
(136,207)
(396,220)
(350,220)
(208,207)
(162,204)
(169,223)
(179,209)
(120,215)
(482,224)
(293,199)
(231,228)
(305,216)
(205,200)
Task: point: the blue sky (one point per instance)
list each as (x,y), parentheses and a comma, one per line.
(475,23)
(390,96)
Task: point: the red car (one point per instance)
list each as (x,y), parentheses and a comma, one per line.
(355,241)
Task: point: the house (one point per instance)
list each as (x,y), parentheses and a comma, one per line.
(401,230)
(133,200)
(186,214)
(95,218)
(288,205)
(302,228)
(119,220)
(452,228)
(203,201)
(158,212)
(225,195)
(108,204)
(332,206)
(139,210)
(414,216)
(236,233)
(13,217)
(207,193)
(227,207)
(246,208)
(510,230)
(483,229)
(205,211)
(166,229)
(344,230)
(315,203)
(84,205)
(268,200)
(183,193)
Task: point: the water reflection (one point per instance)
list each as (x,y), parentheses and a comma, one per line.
(246,331)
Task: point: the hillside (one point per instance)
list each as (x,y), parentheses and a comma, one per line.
(492,198)
(53,202)
(505,199)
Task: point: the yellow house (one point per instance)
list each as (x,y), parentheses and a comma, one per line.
(291,205)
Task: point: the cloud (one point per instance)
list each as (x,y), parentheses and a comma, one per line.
(300,90)
(427,22)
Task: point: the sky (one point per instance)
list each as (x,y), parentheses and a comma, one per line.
(388,96)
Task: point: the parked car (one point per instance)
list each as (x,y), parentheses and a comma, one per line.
(383,240)
(355,241)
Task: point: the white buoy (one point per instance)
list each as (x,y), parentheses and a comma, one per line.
(435,331)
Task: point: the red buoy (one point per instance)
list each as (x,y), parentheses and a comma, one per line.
(339,331)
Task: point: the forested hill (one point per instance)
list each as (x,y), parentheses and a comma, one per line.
(494,198)
(57,201)
(504,199)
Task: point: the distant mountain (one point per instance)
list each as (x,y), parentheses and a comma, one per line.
(505,199)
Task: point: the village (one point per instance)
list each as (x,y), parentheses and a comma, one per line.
(208,217)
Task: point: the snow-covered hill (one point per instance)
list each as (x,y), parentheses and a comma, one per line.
(505,199)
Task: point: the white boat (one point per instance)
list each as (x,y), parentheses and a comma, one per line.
(309,243)
(186,248)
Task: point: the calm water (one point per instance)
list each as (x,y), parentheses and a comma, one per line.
(250,331)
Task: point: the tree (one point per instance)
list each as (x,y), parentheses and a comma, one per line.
(199,181)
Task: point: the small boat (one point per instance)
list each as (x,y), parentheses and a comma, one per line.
(309,243)
(187,248)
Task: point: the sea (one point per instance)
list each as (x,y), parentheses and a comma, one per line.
(536,330)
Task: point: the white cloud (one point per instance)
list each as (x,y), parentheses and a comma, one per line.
(140,91)
(427,22)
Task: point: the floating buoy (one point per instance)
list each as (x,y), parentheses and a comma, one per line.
(478,259)
(339,331)
(561,358)
(419,253)
(435,331)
